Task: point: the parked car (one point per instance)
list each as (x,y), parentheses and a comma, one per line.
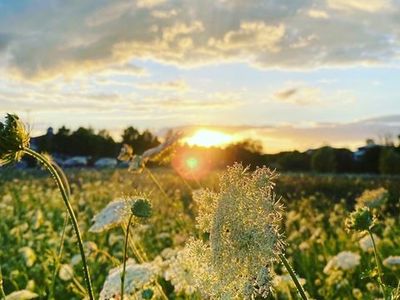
(106,162)
(76,161)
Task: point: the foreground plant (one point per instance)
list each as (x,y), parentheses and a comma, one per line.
(14,143)
(242,221)
(140,209)
(363,220)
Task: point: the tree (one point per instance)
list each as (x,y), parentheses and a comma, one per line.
(323,160)
(139,141)
(389,162)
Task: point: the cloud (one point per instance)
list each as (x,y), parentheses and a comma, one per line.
(318,14)
(299,95)
(306,96)
(173,85)
(368,6)
(36,43)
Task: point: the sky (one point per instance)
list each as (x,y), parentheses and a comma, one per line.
(294,74)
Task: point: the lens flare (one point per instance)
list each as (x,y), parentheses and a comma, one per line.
(190,164)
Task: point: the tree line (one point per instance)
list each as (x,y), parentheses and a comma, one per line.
(373,158)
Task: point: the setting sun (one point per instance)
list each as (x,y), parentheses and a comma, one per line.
(208,138)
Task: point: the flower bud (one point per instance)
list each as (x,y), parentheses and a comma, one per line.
(13,139)
(141,208)
(360,220)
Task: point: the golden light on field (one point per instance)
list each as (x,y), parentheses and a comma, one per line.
(208,138)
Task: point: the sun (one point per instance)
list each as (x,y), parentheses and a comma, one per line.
(208,138)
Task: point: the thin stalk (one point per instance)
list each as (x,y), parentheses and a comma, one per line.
(140,254)
(157,183)
(58,258)
(71,213)
(293,276)
(2,293)
(124,258)
(378,264)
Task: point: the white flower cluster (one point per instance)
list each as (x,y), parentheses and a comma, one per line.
(345,261)
(392,262)
(242,220)
(113,215)
(177,272)
(366,242)
(373,198)
(137,277)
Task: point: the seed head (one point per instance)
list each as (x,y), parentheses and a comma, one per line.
(141,208)
(13,139)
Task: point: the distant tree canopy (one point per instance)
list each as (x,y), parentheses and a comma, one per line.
(139,141)
(86,142)
(323,160)
(389,162)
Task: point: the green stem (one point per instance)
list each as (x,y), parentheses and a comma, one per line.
(58,258)
(157,183)
(124,258)
(71,213)
(2,294)
(293,276)
(378,264)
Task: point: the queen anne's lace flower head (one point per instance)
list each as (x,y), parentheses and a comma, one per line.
(243,222)
(137,277)
(345,261)
(113,215)
(177,272)
(392,262)
(373,198)
(118,211)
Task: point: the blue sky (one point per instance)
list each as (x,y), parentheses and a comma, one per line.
(294,74)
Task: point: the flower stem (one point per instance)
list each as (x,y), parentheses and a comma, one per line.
(2,294)
(293,276)
(124,258)
(49,166)
(378,264)
(57,259)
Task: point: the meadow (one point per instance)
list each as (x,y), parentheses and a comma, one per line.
(330,261)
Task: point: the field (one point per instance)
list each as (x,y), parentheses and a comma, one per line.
(316,207)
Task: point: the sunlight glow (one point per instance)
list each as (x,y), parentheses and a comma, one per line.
(208,138)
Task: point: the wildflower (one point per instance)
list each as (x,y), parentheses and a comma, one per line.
(206,202)
(13,139)
(345,260)
(113,215)
(360,220)
(392,262)
(177,272)
(29,256)
(357,293)
(21,295)
(137,277)
(373,198)
(137,162)
(366,243)
(244,235)
(66,272)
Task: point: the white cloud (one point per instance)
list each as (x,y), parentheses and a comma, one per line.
(92,35)
(173,85)
(363,5)
(318,14)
